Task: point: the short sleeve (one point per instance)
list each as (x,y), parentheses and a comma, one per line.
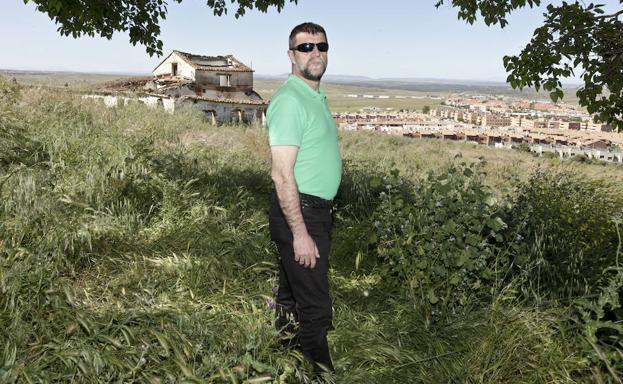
(285,121)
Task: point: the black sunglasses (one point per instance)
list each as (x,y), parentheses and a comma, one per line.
(308,47)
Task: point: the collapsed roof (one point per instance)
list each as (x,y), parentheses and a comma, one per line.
(211,63)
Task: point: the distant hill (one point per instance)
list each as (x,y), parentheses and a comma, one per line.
(426,85)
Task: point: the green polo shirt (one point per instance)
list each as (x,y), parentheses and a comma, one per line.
(298,115)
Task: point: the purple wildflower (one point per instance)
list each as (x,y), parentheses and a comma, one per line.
(270,303)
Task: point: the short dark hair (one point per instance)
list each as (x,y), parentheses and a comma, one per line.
(311,28)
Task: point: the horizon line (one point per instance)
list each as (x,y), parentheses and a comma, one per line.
(281,75)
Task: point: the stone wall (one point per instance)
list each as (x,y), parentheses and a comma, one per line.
(214,112)
(237,80)
(227,112)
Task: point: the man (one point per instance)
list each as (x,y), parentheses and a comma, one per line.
(306,170)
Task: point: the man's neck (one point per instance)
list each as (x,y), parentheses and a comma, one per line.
(315,85)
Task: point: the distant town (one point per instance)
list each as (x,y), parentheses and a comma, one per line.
(498,121)
(224,92)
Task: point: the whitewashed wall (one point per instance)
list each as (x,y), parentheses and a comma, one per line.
(151,101)
(183,68)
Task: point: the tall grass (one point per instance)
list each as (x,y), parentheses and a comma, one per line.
(134,248)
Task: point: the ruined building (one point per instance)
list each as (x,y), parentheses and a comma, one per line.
(220,86)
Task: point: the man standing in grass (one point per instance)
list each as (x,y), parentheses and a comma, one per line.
(306,169)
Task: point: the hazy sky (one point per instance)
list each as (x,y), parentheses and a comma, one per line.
(402,38)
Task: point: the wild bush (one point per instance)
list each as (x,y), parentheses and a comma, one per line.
(600,321)
(523,147)
(9,93)
(440,239)
(354,206)
(357,194)
(16,147)
(562,231)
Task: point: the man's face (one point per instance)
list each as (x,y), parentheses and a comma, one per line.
(309,65)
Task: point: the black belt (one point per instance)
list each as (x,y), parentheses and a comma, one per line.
(311,201)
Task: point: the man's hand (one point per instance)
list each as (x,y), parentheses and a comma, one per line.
(305,250)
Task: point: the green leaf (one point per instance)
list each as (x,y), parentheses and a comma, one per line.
(462,259)
(375,182)
(372,239)
(454,280)
(495,224)
(432,298)
(358,259)
(491,200)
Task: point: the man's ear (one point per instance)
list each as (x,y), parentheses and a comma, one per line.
(291,56)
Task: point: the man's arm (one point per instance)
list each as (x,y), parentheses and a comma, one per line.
(283,159)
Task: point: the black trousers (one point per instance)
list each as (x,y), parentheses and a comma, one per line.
(303,293)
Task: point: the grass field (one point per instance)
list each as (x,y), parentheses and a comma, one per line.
(134,248)
(69,80)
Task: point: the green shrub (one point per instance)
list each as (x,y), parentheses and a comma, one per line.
(562,231)
(523,147)
(601,324)
(583,158)
(16,147)
(440,239)
(550,155)
(9,93)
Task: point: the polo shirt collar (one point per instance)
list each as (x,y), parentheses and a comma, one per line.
(303,85)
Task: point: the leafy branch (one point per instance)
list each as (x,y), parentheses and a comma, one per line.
(573,36)
(140,18)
